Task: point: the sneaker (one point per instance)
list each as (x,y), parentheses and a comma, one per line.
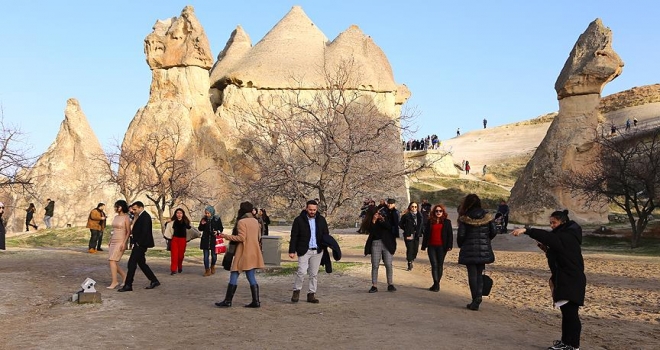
(391,288)
(373,289)
(559,345)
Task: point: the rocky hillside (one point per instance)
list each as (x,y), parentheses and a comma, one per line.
(639,95)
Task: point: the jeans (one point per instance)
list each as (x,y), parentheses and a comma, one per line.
(214,258)
(476,279)
(95,239)
(47,221)
(437,260)
(250,274)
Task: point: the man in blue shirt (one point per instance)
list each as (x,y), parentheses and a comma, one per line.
(306,237)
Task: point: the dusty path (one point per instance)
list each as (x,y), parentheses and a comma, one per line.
(623,311)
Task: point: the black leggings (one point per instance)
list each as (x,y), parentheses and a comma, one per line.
(570,324)
(437,260)
(476,279)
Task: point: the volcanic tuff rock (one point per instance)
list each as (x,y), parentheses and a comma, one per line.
(178,54)
(568,145)
(73,172)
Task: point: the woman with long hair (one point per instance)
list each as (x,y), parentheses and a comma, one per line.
(567,281)
(265,220)
(248,258)
(29,217)
(439,239)
(179,224)
(475,231)
(412,225)
(210,226)
(381,243)
(121,230)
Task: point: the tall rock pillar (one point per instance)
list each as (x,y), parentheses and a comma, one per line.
(568,145)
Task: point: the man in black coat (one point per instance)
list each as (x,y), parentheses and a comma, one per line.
(306,239)
(143,239)
(2,227)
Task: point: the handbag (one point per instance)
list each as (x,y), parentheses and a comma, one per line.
(167,234)
(192,233)
(220,246)
(488,285)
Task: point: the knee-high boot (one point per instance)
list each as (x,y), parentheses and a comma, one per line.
(231,289)
(255,296)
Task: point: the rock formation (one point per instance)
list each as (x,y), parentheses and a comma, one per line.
(73,172)
(568,145)
(178,54)
(295,58)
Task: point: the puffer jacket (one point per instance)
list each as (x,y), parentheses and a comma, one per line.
(565,260)
(475,231)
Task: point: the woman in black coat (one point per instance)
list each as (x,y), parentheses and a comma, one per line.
(381,243)
(568,282)
(210,226)
(475,231)
(439,239)
(412,225)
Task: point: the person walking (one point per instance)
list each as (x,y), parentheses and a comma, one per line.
(3,230)
(467,167)
(381,244)
(485,122)
(143,239)
(306,237)
(96,225)
(438,239)
(567,281)
(50,211)
(503,208)
(458,132)
(121,229)
(29,217)
(412,225)
(179,225)
(248,257)
(265,219)
(210,226)
(475,231)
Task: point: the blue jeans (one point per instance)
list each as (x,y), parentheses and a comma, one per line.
(214,258)
(250,274)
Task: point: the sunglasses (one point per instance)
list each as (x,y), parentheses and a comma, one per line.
(2,207)
(438,211)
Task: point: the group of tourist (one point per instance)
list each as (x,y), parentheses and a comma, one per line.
(423,144)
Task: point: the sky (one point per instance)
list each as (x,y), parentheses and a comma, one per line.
(463,61)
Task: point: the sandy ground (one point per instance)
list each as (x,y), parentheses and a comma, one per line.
(622,311)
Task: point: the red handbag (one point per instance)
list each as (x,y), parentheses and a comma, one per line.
(220,247)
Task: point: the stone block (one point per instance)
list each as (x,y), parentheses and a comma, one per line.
(88,298)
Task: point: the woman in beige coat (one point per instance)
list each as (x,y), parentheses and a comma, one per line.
(248,258)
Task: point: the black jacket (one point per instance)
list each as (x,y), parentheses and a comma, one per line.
(447,235)
(393,218)
(142,233)
(565,260)
(475,231)
(301,233)
(409,227)
(384,229)
(329,242)
(207,241)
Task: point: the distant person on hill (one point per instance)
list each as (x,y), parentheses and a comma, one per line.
(467,167)
(3,231)
(458,131)
(484,170)
(567,281)
(613,129)
(635,121)
(503,209)
(628,124)
(50,210)
(29,217)
(485,122)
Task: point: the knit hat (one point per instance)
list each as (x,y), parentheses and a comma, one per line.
(210,209)
(391,201)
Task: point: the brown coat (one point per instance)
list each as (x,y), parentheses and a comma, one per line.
(96,221)
(248,252)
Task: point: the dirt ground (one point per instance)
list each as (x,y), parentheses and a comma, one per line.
(622,306)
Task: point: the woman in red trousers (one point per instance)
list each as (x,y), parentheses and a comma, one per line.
(180,223)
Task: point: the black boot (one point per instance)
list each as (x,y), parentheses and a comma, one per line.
(409,266)
(255,297)
(474,305)
(231,289)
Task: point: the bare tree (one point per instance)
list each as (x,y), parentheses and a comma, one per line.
(14,158)
(162,170)
(331,143)
(627,174)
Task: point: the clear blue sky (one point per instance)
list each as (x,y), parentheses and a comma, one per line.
(462,60)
